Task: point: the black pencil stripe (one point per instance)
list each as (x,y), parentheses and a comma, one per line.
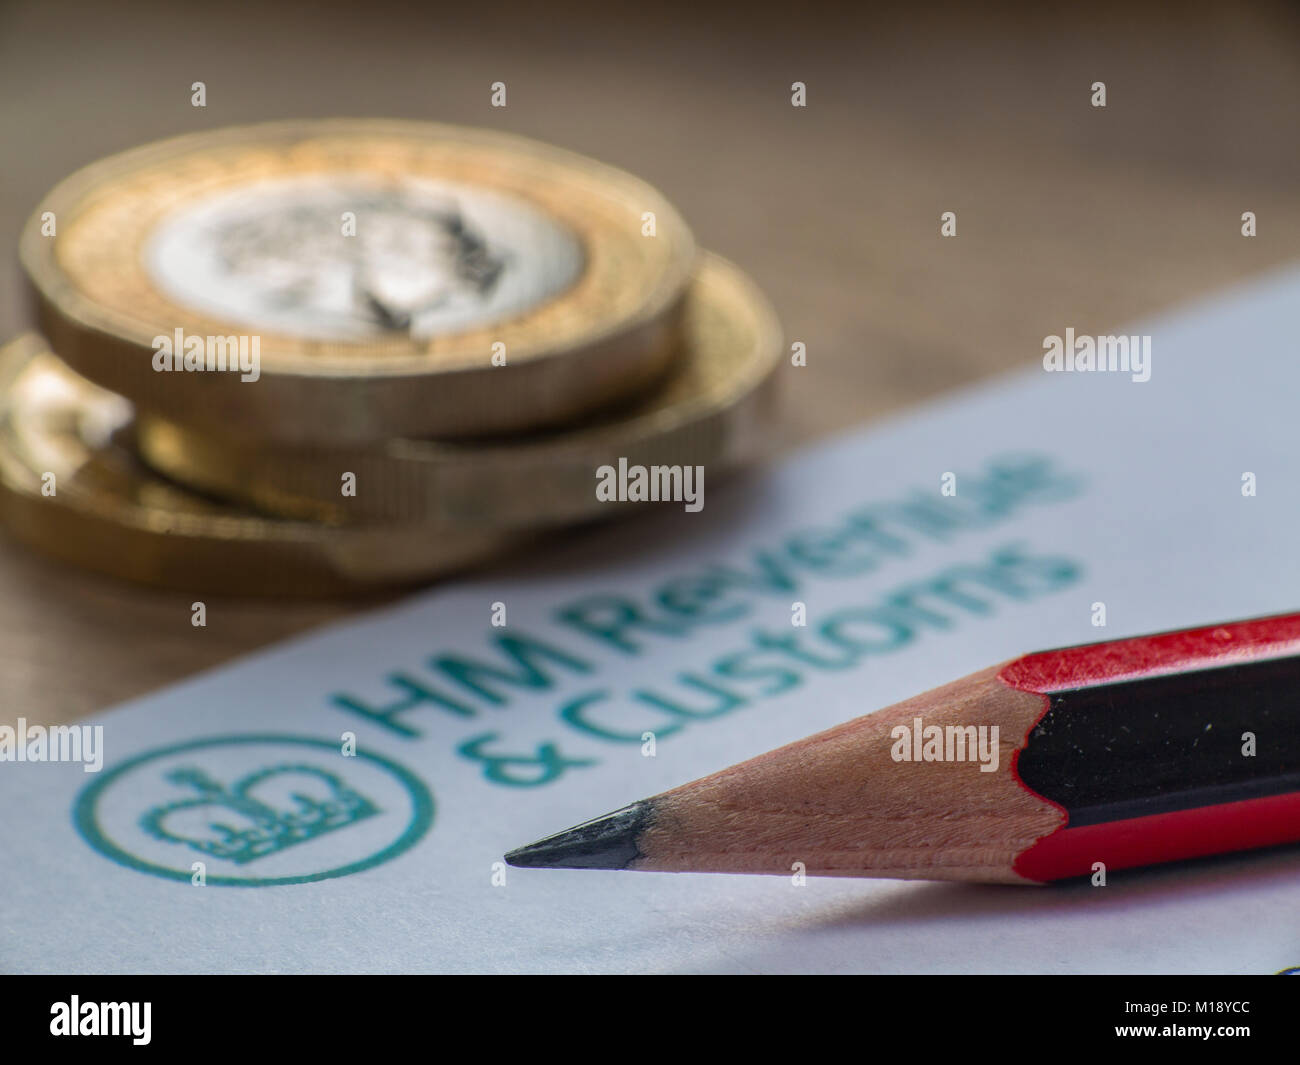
(1162,744)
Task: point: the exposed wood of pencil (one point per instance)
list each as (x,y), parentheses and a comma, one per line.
(838,803)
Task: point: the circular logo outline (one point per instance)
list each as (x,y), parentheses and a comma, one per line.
(87,825)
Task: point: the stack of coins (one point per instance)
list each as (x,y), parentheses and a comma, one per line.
(319,357)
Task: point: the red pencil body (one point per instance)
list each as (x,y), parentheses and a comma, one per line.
(1167,835)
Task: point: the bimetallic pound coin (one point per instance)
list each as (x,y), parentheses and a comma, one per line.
(71,490)
(710,412)
(339,281)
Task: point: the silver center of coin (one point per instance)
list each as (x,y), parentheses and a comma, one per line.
(342,257)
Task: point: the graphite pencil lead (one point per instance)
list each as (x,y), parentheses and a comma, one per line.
(608,842)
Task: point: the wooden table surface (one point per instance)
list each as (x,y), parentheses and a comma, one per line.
(1068,215)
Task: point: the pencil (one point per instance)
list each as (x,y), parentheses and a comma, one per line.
(1057,764)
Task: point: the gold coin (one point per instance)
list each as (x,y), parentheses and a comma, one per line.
(70,489)
(709,413)
(353,280)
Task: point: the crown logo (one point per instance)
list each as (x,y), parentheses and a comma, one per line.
(298,803)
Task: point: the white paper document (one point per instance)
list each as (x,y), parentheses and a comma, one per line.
(342,802)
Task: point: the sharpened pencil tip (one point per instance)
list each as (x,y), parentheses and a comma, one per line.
(608,842)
